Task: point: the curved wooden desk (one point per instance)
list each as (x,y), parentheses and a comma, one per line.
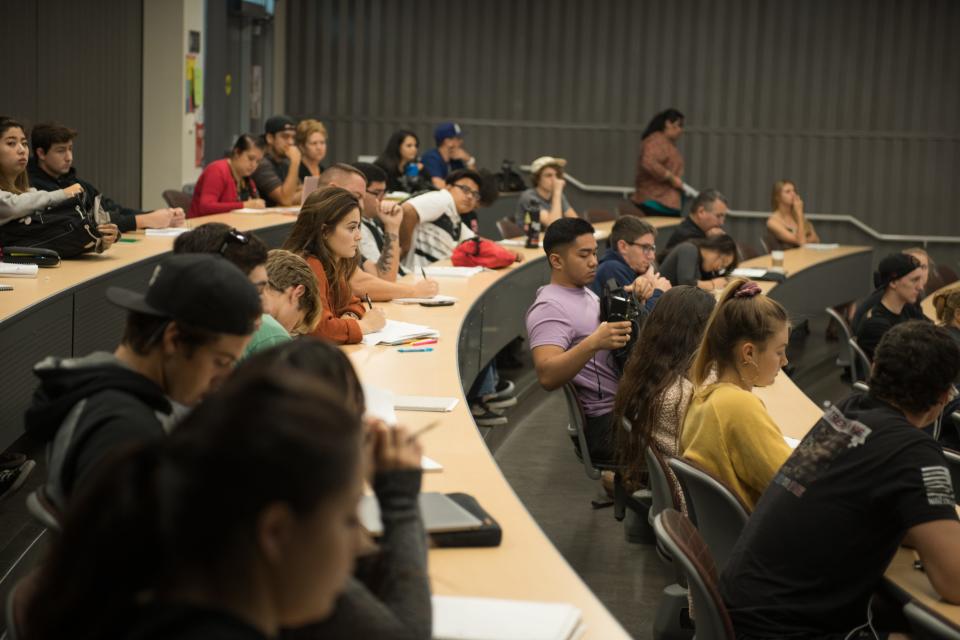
(63,312)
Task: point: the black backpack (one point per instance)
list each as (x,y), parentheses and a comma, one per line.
(65,228)
(509,179)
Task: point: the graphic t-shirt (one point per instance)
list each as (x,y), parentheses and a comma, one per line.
(831,520)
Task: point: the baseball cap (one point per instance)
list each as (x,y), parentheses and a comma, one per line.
(895,265)
(545,161)
(200,289)
(276,124)
(446,130)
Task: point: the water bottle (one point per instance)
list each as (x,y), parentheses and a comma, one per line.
(410,173)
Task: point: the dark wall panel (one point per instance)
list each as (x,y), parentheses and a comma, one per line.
(857,101)
(80,63)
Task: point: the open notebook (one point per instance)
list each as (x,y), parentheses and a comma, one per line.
(460,618)
(396,332)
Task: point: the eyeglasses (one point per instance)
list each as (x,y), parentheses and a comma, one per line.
(467,190)
(233,237)
(646,248)
(377,193)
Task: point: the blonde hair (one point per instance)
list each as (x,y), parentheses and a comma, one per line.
(286,269)
(777,190)
(308,127)
(754,318)
(947,303)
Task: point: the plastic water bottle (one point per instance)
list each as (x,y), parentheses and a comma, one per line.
(531,224)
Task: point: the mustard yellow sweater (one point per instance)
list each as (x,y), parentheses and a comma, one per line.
(729,433)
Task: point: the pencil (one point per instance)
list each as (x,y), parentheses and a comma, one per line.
(366,297)
(424,272)
(422,430)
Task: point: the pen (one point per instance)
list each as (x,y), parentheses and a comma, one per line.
(424,342)
(418,350)
(366,297)
(424,272)
(422,430)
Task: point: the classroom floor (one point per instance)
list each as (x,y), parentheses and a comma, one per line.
(537,458)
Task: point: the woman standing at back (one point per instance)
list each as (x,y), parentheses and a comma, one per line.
(727,430)
(326,235)
(659,179)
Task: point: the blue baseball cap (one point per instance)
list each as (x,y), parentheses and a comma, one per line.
(446,130)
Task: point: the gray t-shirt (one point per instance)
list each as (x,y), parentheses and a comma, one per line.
(269,175)
(530,198)
(682,265)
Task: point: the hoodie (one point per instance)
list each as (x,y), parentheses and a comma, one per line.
(123,217)
(613,266)
(86,407)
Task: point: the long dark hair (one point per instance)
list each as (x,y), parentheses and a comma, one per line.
(662,354)
(319,359)
(722,244)
(659,122)
(184,509)
(390,158)
(320,214)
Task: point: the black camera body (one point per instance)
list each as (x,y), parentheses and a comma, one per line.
(619,305)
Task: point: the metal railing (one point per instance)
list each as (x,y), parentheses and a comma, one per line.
(831,217)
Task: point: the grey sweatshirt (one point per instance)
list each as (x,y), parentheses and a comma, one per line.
(17,205)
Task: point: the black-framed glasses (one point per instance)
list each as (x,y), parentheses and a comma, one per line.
(233,237)
(646,248)
(377,193)
(473,193)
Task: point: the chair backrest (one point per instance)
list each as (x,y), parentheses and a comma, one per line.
(747,251)
(716,510)
(599,215)
(508,228)
(771,242)
(627,208)
(947,274)
(861,363)
(847,336)
(681,541)
(928,625)
(661,488)
(175,198)
(953,459)
(576,428)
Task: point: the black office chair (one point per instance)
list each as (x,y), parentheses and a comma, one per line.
(681,540)
(508,228)
(175,198)
(713,507)
(576,430)
(861,363)
(926,625)
(850,357)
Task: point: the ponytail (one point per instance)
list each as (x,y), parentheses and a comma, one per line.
(742,313)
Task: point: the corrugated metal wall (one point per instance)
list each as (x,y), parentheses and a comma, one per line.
(857,101)
(79,63)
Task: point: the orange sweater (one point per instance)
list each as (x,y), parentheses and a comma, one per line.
(332,326)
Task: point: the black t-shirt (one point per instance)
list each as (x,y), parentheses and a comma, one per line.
(878,320)
(686,230)
(831,520)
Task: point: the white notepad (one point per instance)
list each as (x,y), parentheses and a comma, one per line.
(460,618)
(452,272)
(748,272)
(424,403)
(396,332)
(514,242)
(822,246)
(436,298)
(168,232)
(16,270)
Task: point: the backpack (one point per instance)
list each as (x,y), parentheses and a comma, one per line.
(509,179)
(64,228)
(617,305)
(480,252)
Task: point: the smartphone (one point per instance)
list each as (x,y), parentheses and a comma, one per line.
(437,303)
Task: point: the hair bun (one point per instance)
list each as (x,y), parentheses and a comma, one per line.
(748,289)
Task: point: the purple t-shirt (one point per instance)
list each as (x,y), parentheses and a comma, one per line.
(564,317)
